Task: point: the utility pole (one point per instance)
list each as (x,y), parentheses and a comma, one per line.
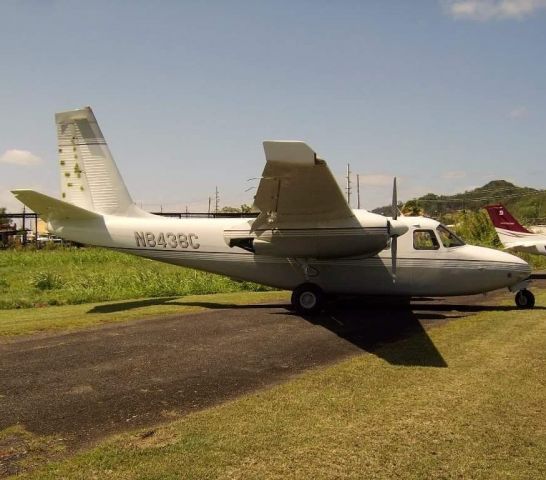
(349,184)
(24,226)
(208,213)
(36,230)
(217,201)
(358,191)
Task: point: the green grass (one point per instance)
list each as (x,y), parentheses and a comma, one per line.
(537,262)
(63,276)
(481,417)
(71,317)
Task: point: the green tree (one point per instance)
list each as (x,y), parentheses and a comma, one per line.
(4,220)
(476,228)
(243,209)
(411,209)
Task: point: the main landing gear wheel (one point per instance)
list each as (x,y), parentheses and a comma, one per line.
(308,299)
(525,299)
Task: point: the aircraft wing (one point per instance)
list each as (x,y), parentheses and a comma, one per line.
(303,213)
(511,246)
(524,244)
(297,188)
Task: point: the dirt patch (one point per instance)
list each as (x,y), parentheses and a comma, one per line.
(21,450)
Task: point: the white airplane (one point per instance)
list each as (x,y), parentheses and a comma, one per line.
(305,239)
(512,234)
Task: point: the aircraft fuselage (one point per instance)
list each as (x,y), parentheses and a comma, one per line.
(200,244)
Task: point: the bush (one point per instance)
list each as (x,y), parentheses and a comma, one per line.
(476,229)
(46,281)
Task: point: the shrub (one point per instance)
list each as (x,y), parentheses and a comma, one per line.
(46,281)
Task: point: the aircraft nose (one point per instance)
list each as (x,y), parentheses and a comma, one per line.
(515,268)
(518,267)
(521,268)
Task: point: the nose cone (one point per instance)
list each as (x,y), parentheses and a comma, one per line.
(397,228)
(489,258)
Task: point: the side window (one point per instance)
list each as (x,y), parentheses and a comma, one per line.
(425,240)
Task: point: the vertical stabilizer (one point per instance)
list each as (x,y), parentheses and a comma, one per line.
(503,219)
(89,176)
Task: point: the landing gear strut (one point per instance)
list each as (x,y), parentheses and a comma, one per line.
(308,299)
(525,299)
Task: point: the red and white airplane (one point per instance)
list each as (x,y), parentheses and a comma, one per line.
(512,234)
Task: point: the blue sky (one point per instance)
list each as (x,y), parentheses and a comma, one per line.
(446,95)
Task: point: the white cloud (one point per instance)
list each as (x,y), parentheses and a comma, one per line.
(519,112)
(20,157)
(454,175)
(483,10)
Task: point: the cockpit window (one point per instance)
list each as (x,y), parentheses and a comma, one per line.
(448,238)
(425,240)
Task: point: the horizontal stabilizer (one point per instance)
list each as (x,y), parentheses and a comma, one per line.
(49,208)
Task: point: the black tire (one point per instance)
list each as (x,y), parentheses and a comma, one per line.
(525,299)
(308,299)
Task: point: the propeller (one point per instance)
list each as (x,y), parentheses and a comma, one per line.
(394,232)
(394,200)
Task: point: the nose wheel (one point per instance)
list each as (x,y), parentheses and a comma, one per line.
(308,299)
(525,299)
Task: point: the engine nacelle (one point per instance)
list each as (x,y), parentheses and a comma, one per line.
(315,243)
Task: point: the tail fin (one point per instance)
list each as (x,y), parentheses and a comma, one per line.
(89,176)
(502,218)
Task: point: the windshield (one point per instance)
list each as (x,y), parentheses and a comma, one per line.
(448,238)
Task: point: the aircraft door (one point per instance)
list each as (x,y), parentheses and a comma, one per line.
(425,247)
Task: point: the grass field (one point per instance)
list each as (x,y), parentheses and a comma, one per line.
(481,417)
(30,278)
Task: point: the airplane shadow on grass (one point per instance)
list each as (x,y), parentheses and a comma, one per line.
(123,306)
(393,331)
(396,331)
